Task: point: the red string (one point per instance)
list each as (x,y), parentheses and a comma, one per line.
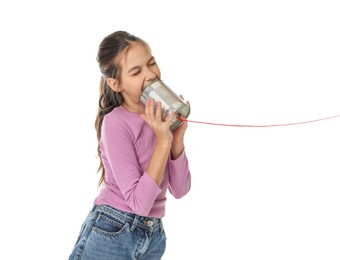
(298,123)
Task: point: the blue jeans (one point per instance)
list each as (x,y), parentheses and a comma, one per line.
(108,233)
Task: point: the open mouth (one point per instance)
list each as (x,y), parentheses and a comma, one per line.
(150,83)
(144,96)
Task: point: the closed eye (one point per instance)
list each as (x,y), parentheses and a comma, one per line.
(152,62)
(136,73)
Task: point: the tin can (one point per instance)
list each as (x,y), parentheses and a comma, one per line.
(169,100)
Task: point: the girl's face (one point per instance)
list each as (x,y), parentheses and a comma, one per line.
(138,69)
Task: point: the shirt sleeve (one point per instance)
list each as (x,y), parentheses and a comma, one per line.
(137,187)
(180,176)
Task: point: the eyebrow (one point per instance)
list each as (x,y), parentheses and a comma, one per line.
(137,67)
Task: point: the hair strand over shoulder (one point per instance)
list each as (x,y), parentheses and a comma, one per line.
(110,50)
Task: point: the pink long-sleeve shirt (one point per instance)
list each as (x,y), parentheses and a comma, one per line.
(126,144)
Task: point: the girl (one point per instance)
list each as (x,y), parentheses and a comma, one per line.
(140,158)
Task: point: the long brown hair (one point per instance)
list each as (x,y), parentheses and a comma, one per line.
(110,50)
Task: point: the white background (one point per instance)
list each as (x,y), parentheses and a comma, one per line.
(257,193)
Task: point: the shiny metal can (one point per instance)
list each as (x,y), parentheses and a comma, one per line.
(169,100)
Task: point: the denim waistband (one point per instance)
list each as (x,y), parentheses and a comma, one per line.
(133,219)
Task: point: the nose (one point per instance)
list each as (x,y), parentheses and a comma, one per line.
(150,75)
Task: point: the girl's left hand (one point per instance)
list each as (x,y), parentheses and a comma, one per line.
(178,138)
(178,134)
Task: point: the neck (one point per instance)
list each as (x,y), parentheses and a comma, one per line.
(134,109)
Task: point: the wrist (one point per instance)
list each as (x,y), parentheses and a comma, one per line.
(176,150)
(165,144)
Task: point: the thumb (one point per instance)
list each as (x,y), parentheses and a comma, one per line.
(144,117)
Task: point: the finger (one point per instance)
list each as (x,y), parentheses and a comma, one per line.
(187,102)
(170,117)
(150,112)
(146,110)
(180,131)
(159,111)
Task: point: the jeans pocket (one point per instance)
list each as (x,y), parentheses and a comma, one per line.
(109,227)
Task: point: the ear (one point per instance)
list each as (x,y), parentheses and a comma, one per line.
(113,84)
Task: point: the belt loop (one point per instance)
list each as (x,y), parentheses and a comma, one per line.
(134,223)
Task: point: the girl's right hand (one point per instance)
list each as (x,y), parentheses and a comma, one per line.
(160,128)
